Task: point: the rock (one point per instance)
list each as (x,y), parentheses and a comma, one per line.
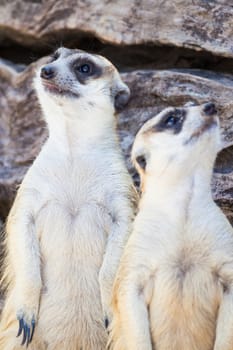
(22,129)
(200,25)
(223,181)
(1,260)
(1,305)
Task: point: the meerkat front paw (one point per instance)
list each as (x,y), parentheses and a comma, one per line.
(107,319)
(105,291)
(27,323)
(106,322)
(107,315)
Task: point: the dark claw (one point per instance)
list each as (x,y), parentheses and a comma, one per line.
(27,331)
(106,323)
(33,328)
(28,336)
(25,328)
(28,339)
(20,326)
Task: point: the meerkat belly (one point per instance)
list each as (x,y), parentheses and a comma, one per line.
(72,244)
(184,306)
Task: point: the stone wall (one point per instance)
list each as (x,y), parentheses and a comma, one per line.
(168,52)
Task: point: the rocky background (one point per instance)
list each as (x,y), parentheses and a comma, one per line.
(169,53)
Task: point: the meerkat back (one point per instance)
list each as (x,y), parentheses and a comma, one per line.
(72,214)
(174,285)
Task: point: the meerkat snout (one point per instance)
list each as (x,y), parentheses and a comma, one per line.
(47,72)
(77,80)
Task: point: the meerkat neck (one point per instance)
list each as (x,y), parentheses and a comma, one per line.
(175,190)
(178,202)
(74,133)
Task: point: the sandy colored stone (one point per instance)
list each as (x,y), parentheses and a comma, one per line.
(200,25)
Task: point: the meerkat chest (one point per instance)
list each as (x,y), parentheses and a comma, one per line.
(184,306)
(72,209)
(189,284)
(73,184)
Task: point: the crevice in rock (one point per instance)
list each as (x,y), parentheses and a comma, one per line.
(126,58)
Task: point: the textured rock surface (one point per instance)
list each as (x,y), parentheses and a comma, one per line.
(22,129)
(202,25)
(1,305)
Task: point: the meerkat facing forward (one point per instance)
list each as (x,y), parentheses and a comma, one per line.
(72,213)
(174,286)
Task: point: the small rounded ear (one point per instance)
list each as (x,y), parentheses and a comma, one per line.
(121,95)
(141,160)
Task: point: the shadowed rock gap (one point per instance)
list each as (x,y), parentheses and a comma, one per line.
(125,57)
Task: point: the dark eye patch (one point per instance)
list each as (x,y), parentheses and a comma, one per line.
(172,120)
(85,69)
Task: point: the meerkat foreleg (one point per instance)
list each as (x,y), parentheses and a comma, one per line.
(224,329)
(109,267)
(131,307)
(24,265)
(122,215)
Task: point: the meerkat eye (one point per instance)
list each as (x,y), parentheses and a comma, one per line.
(141,160)
(171,121)
(85,68)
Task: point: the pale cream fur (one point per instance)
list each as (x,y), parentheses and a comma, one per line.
(174,286)
(71,217)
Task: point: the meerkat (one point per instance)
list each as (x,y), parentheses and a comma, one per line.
(72,214)
(174,286)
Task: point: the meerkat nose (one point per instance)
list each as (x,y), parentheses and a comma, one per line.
(209,109)
(47,72)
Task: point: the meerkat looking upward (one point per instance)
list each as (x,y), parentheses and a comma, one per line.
(174,286)
(72,214)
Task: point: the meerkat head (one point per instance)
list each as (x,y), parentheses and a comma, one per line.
(176,141)
(75,83)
